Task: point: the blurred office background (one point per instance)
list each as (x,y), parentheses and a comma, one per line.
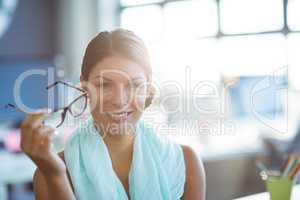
(240,57)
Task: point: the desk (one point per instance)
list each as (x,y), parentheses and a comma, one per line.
(265,195)
(14,168)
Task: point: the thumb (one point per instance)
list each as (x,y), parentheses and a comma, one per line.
(38,115)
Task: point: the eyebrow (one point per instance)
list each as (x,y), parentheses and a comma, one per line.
(135,78)
(101,77)
(139,77)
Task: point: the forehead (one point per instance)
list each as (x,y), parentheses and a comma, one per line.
(117,67)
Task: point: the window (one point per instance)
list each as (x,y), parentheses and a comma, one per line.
(138,2)
(252,54)
(167,25)
(248,36)
(7,8)
(294,14)
(293,49)
(146,21)
(191,19)
(245,16)
(218,39)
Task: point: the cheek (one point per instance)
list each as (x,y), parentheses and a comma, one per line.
(99,103)
(139,102)
(105,97)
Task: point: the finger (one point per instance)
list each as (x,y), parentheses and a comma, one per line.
(45,142)
(47,131)
(38,115)
(40,138)
(28,138)
(33,120)
(33,115)
(41,132)
(47,139)
(27,135)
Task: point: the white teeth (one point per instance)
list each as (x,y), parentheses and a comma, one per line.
(119,114)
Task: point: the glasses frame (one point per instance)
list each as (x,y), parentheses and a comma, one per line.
(63,109)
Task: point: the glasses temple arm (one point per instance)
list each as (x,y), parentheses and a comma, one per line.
(67,84)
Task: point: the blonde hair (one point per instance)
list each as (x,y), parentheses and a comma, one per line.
(119,42)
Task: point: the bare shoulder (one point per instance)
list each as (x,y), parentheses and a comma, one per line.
(195,175)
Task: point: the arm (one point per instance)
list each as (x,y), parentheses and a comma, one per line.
(52,188)
(194,188)
(47,188)
(50,179)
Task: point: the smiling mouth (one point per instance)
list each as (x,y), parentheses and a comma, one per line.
(120,114)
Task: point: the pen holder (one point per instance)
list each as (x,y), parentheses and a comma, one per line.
(279,188)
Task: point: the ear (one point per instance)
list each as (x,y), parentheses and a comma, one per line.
(150,95)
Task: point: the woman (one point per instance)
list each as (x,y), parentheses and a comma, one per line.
(124,159)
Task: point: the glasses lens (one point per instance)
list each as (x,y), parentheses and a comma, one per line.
(78,106)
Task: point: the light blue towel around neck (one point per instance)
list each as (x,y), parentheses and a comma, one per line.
(157,171)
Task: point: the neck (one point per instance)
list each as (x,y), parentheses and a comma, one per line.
(119,142)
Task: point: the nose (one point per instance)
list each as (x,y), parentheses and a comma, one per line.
(121,97)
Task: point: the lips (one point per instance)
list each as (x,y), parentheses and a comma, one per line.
(120,116)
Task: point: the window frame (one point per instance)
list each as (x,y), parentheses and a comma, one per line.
(285,30)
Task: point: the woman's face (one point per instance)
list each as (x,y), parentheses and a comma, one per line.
(117,89)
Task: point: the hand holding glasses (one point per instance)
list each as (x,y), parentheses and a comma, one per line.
(75,108)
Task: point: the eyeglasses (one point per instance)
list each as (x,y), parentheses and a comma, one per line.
(75,108)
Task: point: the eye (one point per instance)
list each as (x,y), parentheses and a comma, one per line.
(102,84)
(137,84)
(105,84)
